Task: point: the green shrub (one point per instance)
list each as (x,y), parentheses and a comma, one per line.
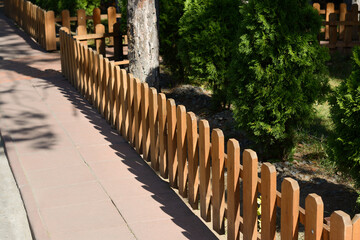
(206,41)
(277,72)
(71,5)
(170,14)
(344,143)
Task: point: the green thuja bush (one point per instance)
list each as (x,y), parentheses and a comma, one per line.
(169,17)
(277,72)
(344,142)
(207,32)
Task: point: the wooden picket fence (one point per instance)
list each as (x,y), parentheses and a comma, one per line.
(194,161)
(41,24)
(34,21)
(341,26)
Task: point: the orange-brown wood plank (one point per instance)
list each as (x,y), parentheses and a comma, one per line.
(268,201)
(356,227)
(163,166)
(204,165)
(193,159)
(154,129)
(137,115)
(145,120)
(233,190)
(290,193)
(340,226)
(314,217)
(172,150)
(181,149)
(218,187)
(123,99)
(130,102)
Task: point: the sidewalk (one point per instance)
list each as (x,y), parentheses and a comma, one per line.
(78,178)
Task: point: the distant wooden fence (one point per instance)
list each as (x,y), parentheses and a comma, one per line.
(34,20)
(194,161)
(42,25)
(341,26)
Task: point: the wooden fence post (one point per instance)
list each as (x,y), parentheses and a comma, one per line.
(314,217)
(81,17)
(193,159)
(137,115)
(96,17)
(154,129)
(65,18)
(233,190)
(181,150)
(290,194)
(81,30)
(123,99)
(218,187)
(268,201)
(332,30)
(342,19)
(204,165)
(118,113)
(145,120)
(130,102)
(100,43)
(250,177)
(340,226)
(356,227)
(162,135)
(330,9)
(172,150)
(111,15)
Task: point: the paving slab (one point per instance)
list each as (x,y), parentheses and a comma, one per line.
(78,178)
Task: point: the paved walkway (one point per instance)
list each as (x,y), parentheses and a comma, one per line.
(78,178)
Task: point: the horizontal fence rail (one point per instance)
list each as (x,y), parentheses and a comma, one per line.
(43,25)
(194,160)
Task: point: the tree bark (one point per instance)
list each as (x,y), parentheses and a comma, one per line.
(143,40)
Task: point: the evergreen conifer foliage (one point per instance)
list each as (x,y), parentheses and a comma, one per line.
(207,31)
(277,71)
(344,143)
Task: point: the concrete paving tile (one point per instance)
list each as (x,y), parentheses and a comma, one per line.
(185,228)
(69,195)
(116,233)
(42,160)
(111,152)
(82,217)
(144,208)
(61,176)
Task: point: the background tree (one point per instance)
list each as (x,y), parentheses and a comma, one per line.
(344,142)
(143,40)
(206,41)
(277,72)
(170,14)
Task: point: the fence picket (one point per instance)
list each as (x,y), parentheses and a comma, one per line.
(218,187)
(65,18)
(96,17)
(356,227)
(289,209)
(111,87)
(111,13)
(145,118)
(81,17)
(181,149)
(95,79)
(130,102)
(340,226)
(100,84)
(137,115)
(123,98)
(204,165)
(250,162)
(117,96)
(193,159)
(154,128)
(268,201)
(100,43)
(233,190)
(314,217)
(162,135)
(172,150)
(330,8)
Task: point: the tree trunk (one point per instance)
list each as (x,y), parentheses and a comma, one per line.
(143,40)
